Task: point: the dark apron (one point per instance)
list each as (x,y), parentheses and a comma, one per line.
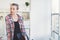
(17,32)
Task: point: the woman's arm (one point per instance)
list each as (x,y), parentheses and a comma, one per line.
(23,30)
(22,25)
(7,28)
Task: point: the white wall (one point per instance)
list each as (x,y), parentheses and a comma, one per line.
(40,18)
(55,6)
(5,4)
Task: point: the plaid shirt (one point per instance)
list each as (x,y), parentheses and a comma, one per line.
(10,26)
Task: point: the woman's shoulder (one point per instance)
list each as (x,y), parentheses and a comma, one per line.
(7,17)
(20,17)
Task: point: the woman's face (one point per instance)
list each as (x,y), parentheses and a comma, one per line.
(13,9)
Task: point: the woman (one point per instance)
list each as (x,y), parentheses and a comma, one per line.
(14,24)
